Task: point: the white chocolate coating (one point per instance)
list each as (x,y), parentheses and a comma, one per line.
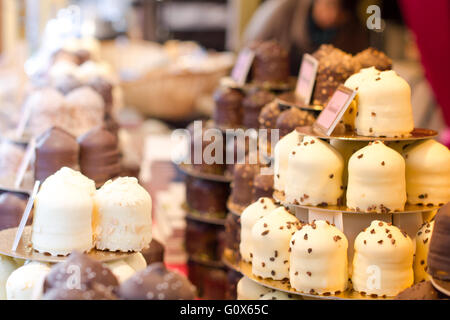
(137,261)
(250,290)
(22,282)
(7,266)
(279,295)
(383,103)
(122,270)
(281,152)
(423,238)
(314,174)
(271,236)
(347,149)
(124,220)
(427,173)
(383,260)
(376,179)
(249,216)
(63,211)
(319,259)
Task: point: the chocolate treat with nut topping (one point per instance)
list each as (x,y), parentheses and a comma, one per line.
(371,57)
(92,274)
(271,63)
(292,118)
(335,66)
(228,107)
(154,253)
(12,206)
(421,291)
(55,148)
(156,282)
(99,155)
(439,251)
(253,103)
(269,114)
(262,186)
(206,196)
(242,185)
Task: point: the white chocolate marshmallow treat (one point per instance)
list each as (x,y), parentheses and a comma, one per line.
(423,238)
(282,150)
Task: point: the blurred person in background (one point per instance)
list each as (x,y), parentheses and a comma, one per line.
(303,25)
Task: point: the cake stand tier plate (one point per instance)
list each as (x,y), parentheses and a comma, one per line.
(283,285)
(286,86)
(190,171)
(26,252)
(203,217)
(409,208)
(416,134)
(292,101)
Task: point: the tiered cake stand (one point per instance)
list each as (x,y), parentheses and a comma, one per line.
(351,222)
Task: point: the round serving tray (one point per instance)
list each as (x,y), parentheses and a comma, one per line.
(283,285)
(26,252)
(203,217)
(409,208)
(189,170)
(416,134)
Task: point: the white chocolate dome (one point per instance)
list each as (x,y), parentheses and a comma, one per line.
(249,216)
(250,290)
(271,236)
(319,259)
(383,260)
(22,282)
(63,210)
(314,174)
(279,295)
(383,103)
(376,179)
(347,149)
(423,238)
(427,173)
(281,152)
(124,220)
(7,266)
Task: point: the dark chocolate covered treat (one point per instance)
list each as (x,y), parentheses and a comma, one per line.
(111,124)
(201,141)
(271,63)
(228,107)
(206,196)
(202,240)
(103,88)
(253,103)
(233,235)
(421,291)
(154,253)
(269,114)
(93,275)
(55,148)
(242,185)
(99,155)
(262,186)
(12,206)
(233,278)
(292,118)
(67,83)
(215,287)
(156,282)
(98,292)
(439,252)
(371,57)
(335,66)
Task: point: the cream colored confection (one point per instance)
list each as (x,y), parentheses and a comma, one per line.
(21,283)
(347,149)
(7,266)
(314,174)
(281,153)
(63,211)
(279,295)
(427,173)
(376,179)
(271,236)
(383,104)
(137,261)
(122,270)
(250,290)
(91,69)
(249,216)
(319,259)
(86,108)
(124,220)
(383,260)
(423,238)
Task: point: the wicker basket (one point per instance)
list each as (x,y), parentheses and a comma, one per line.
(161,93)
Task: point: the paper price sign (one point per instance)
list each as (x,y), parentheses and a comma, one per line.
(242,67)
(306,78)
